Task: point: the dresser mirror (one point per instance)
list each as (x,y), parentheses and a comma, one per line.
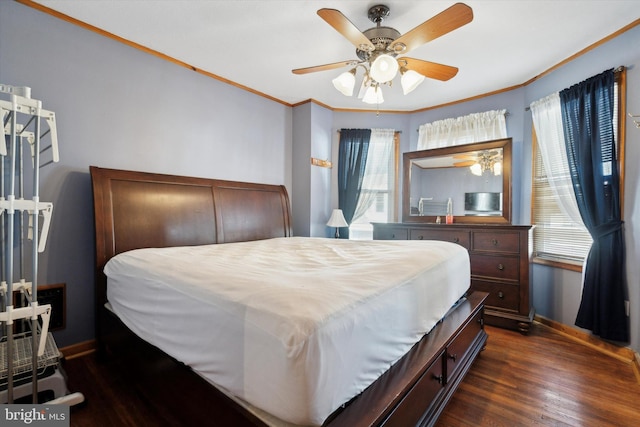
(475,178)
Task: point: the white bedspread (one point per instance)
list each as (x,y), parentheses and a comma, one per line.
(295,326)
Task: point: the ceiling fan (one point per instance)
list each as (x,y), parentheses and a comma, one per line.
(378,49)
(480,162)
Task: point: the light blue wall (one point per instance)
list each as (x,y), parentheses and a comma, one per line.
(121,108)
(320,185)
(311,184)
(301,168)
(118,107)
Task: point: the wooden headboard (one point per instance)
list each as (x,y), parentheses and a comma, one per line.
(135,210)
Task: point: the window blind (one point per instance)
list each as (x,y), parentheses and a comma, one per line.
(556,237)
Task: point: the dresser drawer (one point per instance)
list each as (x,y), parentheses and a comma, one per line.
(391,233)
(505,242)
(499,267)
(430,384)
(501,295)
(457,349)
(460,237)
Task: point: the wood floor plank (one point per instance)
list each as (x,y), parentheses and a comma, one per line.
(543,379)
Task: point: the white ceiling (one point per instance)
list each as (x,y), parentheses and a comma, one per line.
(256,43)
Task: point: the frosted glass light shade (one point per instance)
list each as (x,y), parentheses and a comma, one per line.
(345,83)
(384,68)
(476,169)
(373,95)
(497,168)
(410,80)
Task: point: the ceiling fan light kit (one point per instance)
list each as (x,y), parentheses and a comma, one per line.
(497,168)
(476,169)
(487,162)
(378,47)
(384,68)
(373,95)
(410,80)
(345,82)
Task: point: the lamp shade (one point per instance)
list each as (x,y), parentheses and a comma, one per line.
(384,68)
(373,95)
(345,82)
(410,80)
(337,219)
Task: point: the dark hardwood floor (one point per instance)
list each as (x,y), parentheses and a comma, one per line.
(543,379)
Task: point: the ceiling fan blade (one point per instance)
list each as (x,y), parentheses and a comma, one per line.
(432,70)
(446,21)
(464,164)
(323,67)
(337,20)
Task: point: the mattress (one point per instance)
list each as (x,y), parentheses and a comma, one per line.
(294,326)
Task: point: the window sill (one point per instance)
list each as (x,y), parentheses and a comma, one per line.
(558,264)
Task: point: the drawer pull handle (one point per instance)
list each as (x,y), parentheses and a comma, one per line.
(438,378)
(456,240)
(500,295)
(495,242)
(453,356)
(500,267)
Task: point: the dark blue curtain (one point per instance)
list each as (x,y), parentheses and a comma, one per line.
(587,115)
(352,160)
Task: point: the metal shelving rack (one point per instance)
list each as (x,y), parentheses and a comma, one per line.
(27,359)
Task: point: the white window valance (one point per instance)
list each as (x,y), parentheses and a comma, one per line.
(474,127)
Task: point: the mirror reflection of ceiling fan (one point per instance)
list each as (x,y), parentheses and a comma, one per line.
(378,49)
(481,161)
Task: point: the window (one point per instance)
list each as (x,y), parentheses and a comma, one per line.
(558,238)
(379,187)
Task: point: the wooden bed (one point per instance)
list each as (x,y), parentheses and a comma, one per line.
(138,210)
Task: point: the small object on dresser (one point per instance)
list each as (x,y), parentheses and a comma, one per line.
(449,211)
(438,220)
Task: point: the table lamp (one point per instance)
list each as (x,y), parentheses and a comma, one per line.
(337,220)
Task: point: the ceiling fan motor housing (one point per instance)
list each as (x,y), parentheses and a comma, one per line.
(381,37)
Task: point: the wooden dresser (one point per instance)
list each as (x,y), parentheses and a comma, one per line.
(500,264)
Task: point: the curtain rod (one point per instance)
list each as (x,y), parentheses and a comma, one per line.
(396,131)
(618,69)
